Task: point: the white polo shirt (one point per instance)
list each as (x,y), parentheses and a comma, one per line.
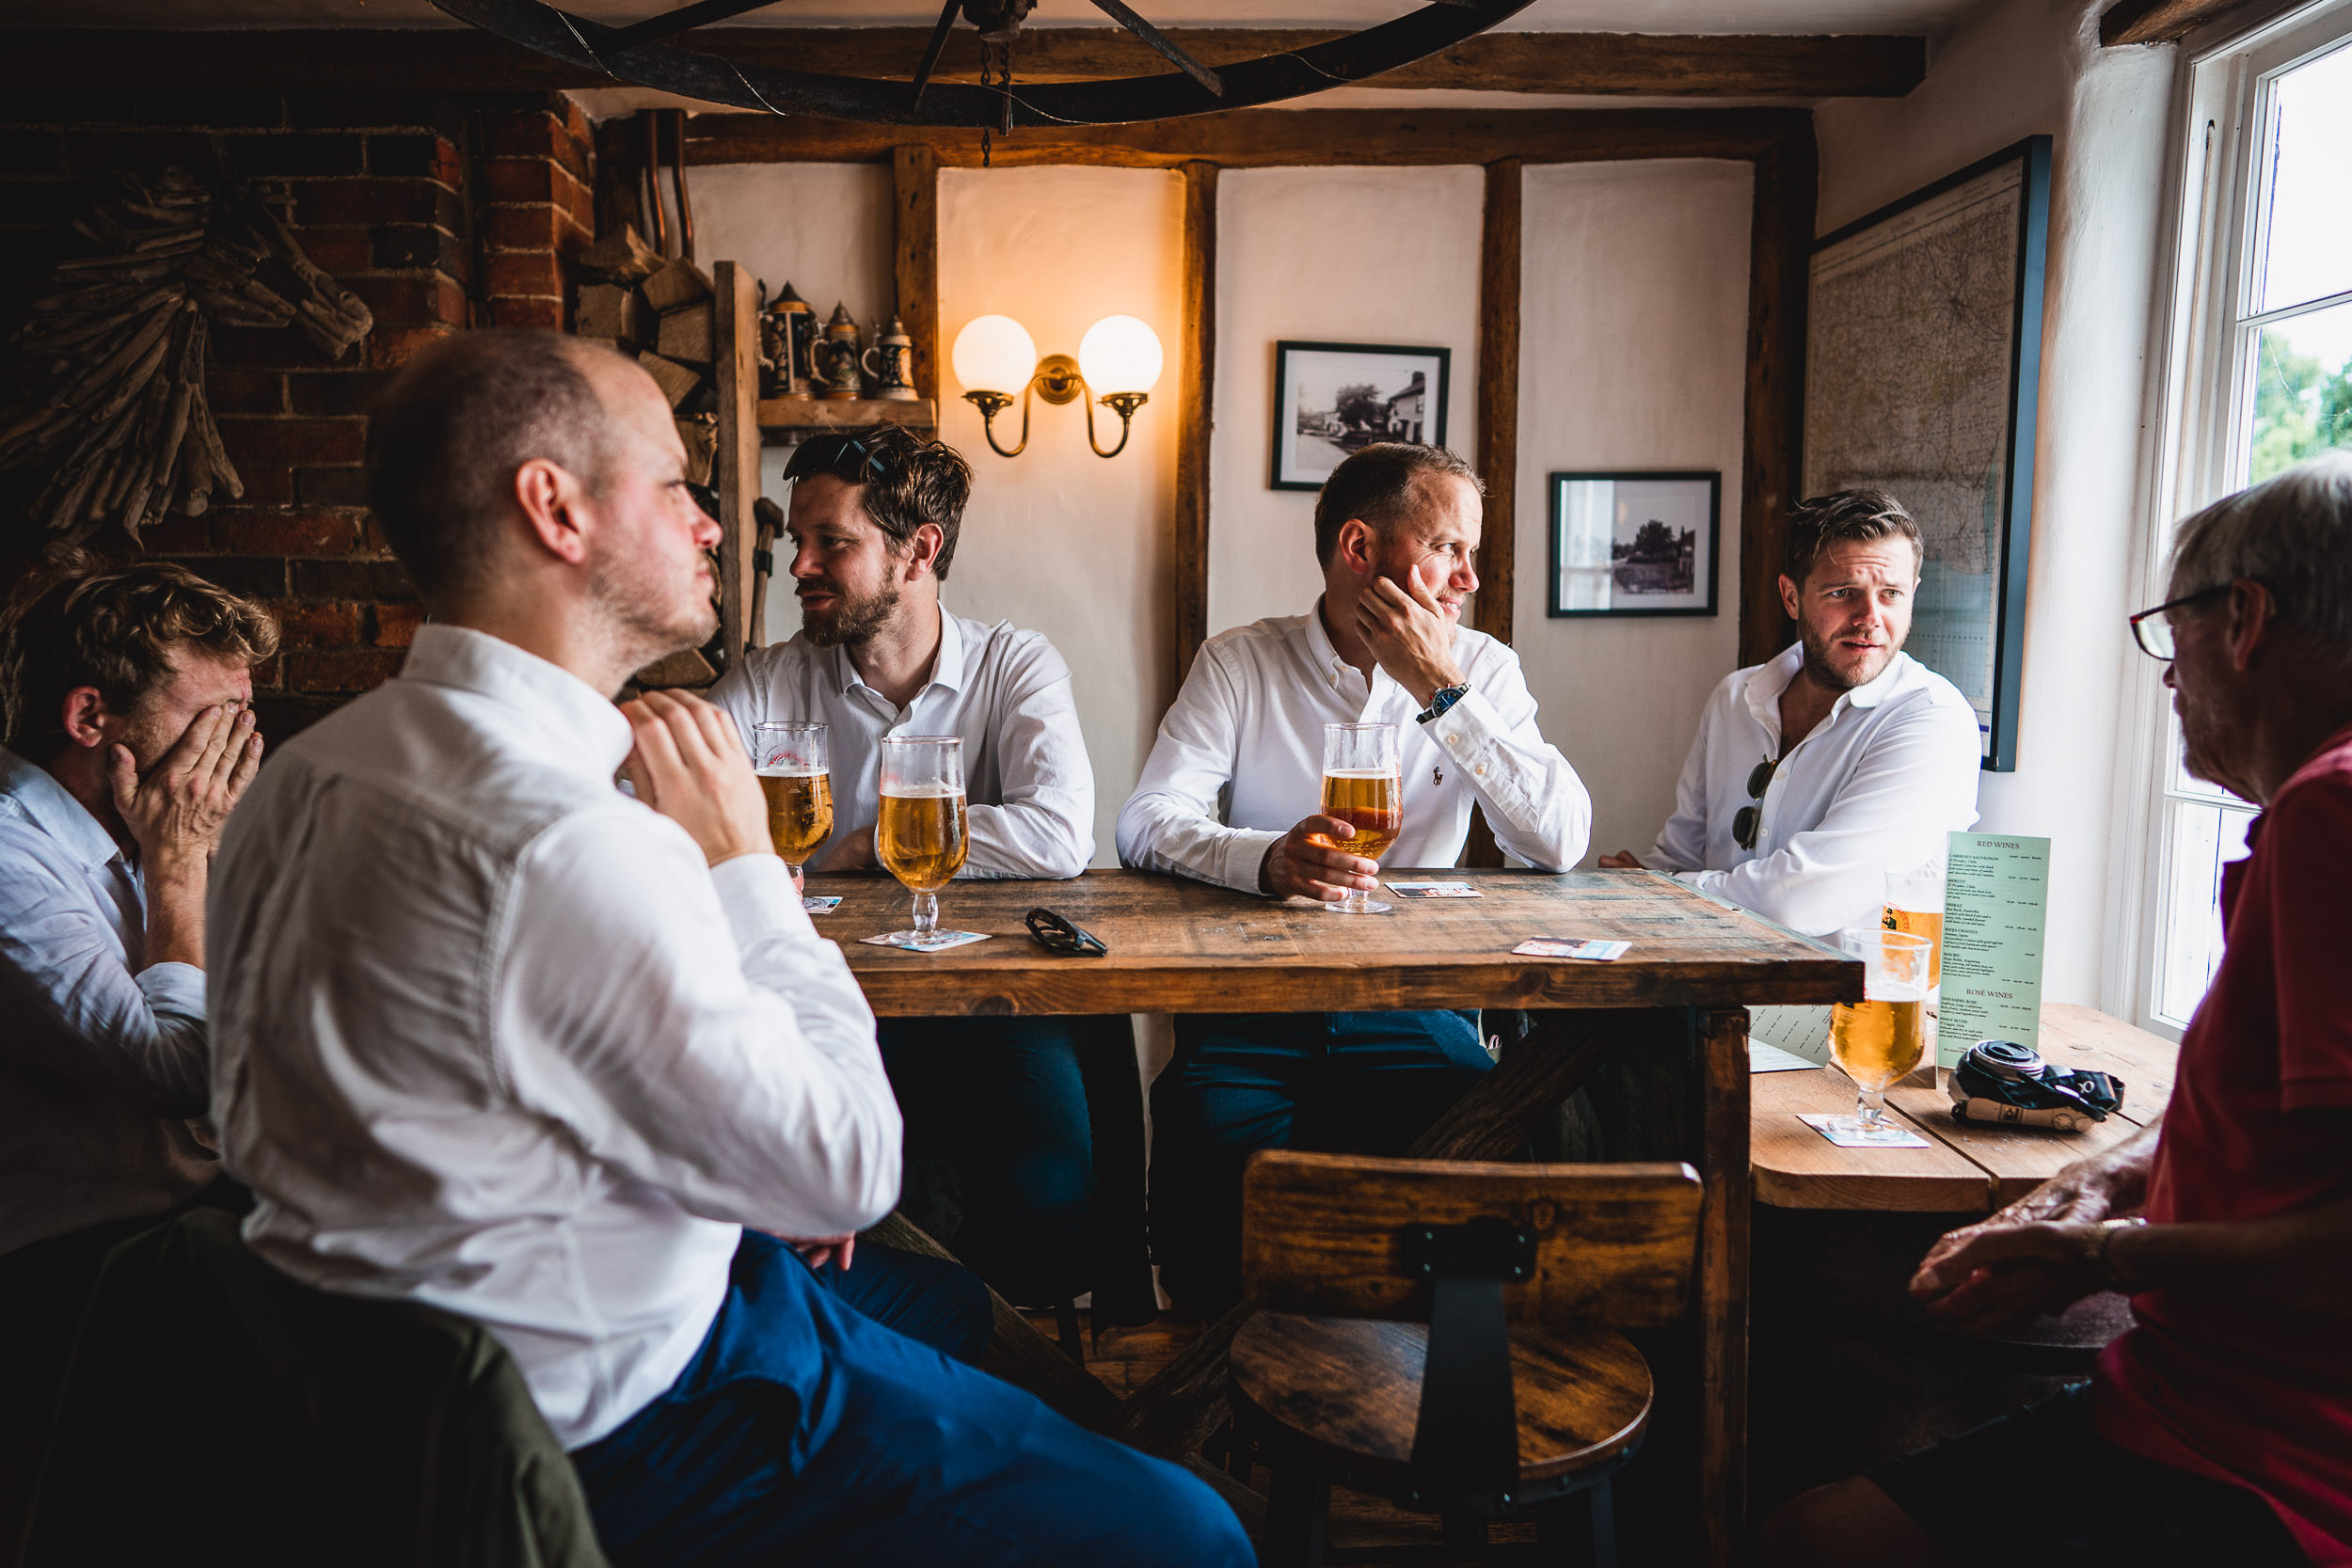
(1874,788)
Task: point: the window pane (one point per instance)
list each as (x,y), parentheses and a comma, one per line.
(2302,403)
(2308,226)
(2204,838)
(2181,783)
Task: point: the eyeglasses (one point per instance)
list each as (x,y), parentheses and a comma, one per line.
(1057,934)
(851,459)
(1745,826)
(2152,628)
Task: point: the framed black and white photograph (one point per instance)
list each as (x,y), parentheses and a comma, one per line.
(1330,399)
(1635,543)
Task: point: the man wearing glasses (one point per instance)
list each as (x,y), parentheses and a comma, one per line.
(2218,1430)
(1230,796)
(1844,758)
(873,527)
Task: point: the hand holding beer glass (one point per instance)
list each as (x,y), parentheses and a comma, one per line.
(1361,786)
(922,835)
(795,776)
(1877,1040)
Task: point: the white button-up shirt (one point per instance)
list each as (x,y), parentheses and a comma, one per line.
(1239,759)
(489,1034)
(1874,788)
(1006,691)
(102,1053)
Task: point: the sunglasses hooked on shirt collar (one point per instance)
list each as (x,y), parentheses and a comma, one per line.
(1057,933)
(1745,826)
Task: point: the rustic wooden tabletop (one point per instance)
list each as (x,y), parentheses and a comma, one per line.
(1182,947)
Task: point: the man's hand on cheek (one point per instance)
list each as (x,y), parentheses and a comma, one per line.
(1410,634)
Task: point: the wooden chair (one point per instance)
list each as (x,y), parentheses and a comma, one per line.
(1517,1393)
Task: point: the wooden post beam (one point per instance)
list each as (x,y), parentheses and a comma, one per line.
(1498,457)
(914,223)
(736,473)
(1195,410)
(1771,475)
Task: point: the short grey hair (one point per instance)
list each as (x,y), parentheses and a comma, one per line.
(2293,535)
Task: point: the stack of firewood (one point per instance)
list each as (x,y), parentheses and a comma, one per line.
(662,312)
(112,383)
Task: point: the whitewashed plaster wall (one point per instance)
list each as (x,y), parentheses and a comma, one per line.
(1633,348)
(2018,68)
(1336,255)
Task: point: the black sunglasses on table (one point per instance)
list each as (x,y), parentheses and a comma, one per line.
(1059,934)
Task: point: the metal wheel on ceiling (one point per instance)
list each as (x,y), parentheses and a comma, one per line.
(643,53)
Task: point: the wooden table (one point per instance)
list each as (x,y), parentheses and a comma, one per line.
(1182,947)
(1967,1167)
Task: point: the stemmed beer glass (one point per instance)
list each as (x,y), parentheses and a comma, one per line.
(1878,1040)
(1361,786)
(794,773)
(922,836)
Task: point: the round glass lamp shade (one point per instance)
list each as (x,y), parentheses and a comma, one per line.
(1120,354)
(994,354)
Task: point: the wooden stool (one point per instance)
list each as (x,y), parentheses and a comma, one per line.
(1467,1417)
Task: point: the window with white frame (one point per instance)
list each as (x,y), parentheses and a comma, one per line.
(2265,381)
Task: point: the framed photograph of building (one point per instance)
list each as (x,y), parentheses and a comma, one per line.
(1333,399)
(1635,543)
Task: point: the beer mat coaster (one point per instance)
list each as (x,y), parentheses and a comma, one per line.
(824,905)
(1435,890)
(1818,1121)
(1572,948)
(1764,1056)
(938,941)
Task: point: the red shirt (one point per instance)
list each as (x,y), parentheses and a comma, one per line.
(2260,1124)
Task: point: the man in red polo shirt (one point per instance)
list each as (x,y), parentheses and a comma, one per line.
(2219,1429)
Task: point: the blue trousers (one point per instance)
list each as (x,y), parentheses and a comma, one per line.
(1340,1083)
(1004,1101)
(806,1432)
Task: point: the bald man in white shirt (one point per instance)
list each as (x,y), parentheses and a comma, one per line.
(492,1035)
(1230,795)
(1844,758)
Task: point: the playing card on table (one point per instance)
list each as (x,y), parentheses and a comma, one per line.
(1818,1121)
(823,904)
(1435,890)
(1572,948)
(938,941)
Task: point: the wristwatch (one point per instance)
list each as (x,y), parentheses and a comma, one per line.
(2095,1252)
(1447,696)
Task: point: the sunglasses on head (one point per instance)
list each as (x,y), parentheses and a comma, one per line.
(1059,934)
(851,459)
(1750,821)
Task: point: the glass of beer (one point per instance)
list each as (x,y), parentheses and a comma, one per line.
(1915,903)
(1361,786)
(921,836)
(796,777)
(1877,1040)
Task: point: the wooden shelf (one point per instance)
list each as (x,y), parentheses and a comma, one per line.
(790,416)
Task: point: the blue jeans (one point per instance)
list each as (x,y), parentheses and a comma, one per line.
(1004,1100)
(806,1432)
(1341,1083)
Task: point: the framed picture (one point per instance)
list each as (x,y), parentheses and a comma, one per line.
(1923,356)
(1635,543)
(1333,399)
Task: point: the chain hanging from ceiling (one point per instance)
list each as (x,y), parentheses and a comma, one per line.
(641,54)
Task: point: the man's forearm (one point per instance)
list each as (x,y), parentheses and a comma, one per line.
(2302,1260)
(175,912)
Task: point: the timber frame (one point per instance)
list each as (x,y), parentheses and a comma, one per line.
(1778,142)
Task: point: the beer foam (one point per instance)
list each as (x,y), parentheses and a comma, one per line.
(789,772)
(924,792)
(1359,772)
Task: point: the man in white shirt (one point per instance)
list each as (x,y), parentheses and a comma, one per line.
(127,696)
(492,1035)
(1840,760)
(873,526)
(1230,795)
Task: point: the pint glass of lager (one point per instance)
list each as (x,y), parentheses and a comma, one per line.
(921,834)
(1362,788)
(1878,1040)
(796,777)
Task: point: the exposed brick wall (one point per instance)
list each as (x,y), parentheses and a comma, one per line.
(439,212)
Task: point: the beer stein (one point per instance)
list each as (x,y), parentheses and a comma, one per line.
(788,330)
(891,363)
(837,357)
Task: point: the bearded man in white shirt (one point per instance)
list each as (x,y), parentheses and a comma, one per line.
(492,1035)
(1230,795)
(873,526)
(1844,758)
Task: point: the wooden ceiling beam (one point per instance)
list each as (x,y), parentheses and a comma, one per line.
(1255,138)
(2158,21)
(455,60)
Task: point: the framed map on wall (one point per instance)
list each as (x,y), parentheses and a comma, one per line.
(1923,357)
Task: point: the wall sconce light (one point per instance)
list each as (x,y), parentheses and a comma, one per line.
(1119,362)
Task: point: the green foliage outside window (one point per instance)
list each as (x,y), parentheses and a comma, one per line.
(2301,408)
